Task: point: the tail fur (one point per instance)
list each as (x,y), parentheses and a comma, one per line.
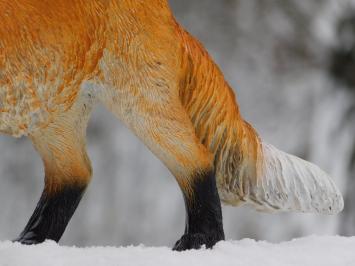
(289,183)
(247,169)
(286,183)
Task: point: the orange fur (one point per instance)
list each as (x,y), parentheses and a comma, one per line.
(152,74)
(47,49)
(62,148)
(211,105)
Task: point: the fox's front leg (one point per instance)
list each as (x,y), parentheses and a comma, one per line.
(67,173)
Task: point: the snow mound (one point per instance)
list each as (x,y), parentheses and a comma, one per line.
(312,251)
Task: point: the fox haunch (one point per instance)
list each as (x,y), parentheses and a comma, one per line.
(59,58)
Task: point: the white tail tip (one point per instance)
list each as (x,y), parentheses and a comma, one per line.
(288,183)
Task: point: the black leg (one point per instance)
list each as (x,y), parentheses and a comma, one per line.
(51,216)
(203,215)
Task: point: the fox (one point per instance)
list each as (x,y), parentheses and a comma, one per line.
(59,59)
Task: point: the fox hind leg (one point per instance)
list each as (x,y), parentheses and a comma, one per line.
(168,132)
(203,214)
(67,173)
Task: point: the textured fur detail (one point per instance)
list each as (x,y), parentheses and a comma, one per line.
(286,183)
(289,183)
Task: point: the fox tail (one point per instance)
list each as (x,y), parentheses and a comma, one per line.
(283,182)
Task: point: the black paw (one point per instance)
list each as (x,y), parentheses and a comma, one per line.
(196,241)
(29,239)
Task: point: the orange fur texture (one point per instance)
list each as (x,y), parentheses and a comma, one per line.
(145,68)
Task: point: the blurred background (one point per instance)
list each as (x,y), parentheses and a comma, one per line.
(292,65)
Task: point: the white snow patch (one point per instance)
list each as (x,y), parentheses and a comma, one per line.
(310,251)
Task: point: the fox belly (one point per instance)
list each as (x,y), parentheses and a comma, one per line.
(27,104)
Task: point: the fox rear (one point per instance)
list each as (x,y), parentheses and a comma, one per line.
(58,59)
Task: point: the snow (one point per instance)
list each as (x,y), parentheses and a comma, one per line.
(312,251)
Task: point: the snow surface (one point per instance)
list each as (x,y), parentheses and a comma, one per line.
(312,251)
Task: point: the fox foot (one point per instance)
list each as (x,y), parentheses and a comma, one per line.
(51,216)
(29,239)
(203,214)
(196,241)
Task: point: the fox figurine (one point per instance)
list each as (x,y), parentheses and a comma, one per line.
(58,59)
